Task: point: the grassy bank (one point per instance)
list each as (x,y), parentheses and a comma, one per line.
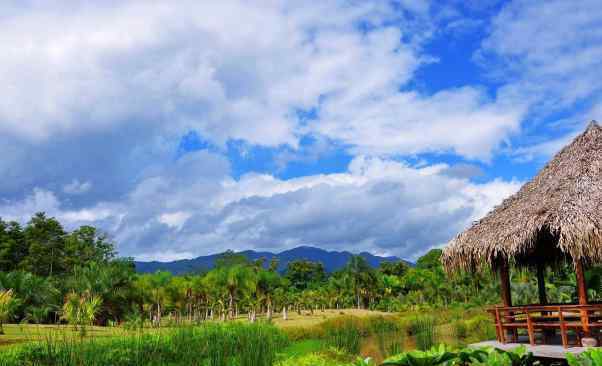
(211,344)
(336,338)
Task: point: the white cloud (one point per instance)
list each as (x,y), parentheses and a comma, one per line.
(175,219)
(462,121)
(235,70)
(95,100)
(549,53)
(41,200)
(378,205)
(77,187)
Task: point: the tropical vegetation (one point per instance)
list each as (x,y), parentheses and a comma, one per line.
(49,276)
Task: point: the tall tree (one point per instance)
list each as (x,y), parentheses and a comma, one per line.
(360,276)
(267,283)
(46,239)
(302,274)
(86,245)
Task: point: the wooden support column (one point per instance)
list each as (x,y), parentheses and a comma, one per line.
(581,287)
(541,284)
(582,292)
(506,293)
(505,283)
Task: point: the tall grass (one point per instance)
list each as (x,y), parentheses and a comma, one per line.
(424,328)
(211,345)
(389,336)
(345,334)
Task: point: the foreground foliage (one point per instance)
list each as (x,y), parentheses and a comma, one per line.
(591,357)
(442,355)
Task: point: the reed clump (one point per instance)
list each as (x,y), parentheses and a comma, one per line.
(424,328)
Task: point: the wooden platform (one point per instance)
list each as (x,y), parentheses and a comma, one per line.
(540,350)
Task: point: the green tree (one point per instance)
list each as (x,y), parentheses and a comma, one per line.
(86,245)
(431,260)
(158,282)
(32,292)
(46,240)
(302,274)
(393,268)
(360,276)
(81,310)
(266,285)
(111,281)
(233,278)
(12,246)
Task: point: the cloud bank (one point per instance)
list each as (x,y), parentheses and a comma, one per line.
(97,97)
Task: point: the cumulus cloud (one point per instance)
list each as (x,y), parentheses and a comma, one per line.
(230,70)
(378,205)
(550,54)
(95,101)
(41,200)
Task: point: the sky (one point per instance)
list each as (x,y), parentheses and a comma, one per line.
(184,128)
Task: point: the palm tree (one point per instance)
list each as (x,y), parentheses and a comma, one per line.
(285,298)
(359,274)
(7,307)
(111,282)
(31,290)
(267,283)
(158,283)
(232,279)
(81,310)
(37,314)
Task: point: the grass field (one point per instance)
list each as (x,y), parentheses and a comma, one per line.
(307,320)
(20,333)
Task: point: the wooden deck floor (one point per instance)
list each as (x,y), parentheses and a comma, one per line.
(540,350)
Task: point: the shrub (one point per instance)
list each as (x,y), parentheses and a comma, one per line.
(478,357)
(480,328)
(459,329)
(591,357)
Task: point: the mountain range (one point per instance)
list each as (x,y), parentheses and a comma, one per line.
(332,260)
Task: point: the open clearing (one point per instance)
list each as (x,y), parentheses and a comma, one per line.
(19,333)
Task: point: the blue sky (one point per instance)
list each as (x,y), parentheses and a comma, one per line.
(187,128)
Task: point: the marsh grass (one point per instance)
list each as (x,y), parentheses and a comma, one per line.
(344,334)
(424,328)
(459,329)
(389,336)
(210,345)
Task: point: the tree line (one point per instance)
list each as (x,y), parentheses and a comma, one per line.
(50,275)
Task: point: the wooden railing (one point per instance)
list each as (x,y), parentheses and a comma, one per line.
(577,320)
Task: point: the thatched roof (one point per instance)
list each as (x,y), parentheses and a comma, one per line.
(555,216)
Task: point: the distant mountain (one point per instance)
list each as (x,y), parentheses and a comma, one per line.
(332,260)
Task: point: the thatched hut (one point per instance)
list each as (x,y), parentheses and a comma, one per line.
(555,217)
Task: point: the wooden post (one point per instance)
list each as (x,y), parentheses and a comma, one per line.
(582,292)
(506,292)
(541,284)
(505,283)
(581,287)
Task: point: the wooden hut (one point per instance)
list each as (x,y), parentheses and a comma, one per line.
(555,217)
